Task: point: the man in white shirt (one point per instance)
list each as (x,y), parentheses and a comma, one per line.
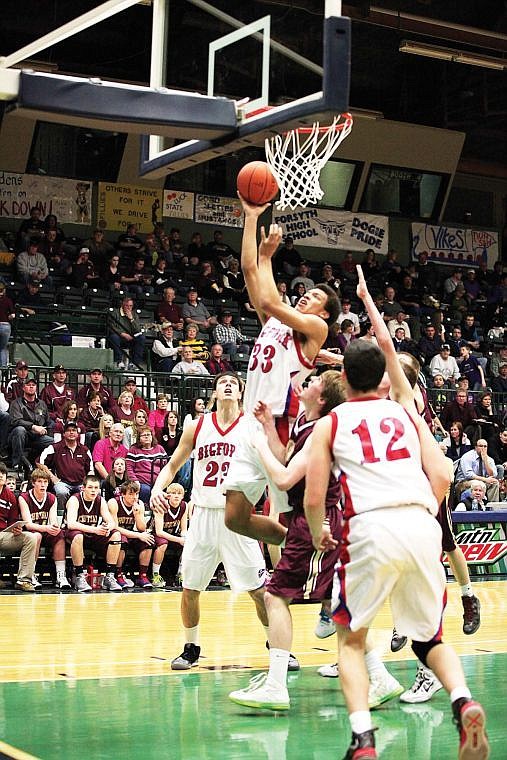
(346,313)
(187,365)
(444,364)
(399,321)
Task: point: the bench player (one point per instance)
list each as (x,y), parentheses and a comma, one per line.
(374,446)
(283,355)
(214,438)
(128,515)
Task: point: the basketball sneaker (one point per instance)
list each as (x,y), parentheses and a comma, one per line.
(425,685)
(143,581)
(157,581)
(123,581)
(81,584)
(24,586)
(362,746)
(262,694)
(329,671)
(110,583)
(62,581)
(470,720)
(35,581)
(325,626)
(471,614)
(397,641)
(189,658)
(383,687)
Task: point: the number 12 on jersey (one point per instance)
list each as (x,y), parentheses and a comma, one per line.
(388,426)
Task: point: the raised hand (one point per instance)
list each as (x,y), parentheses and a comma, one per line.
(262,413)
(269,243)
(362,288)
(251,209)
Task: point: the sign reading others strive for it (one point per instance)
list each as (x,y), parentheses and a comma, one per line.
(120,205)
(69,199)
(324,228)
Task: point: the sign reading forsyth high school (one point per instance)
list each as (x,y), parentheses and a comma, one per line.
(324,228)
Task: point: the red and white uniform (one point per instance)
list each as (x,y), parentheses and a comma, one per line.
(391,542)
(208,541)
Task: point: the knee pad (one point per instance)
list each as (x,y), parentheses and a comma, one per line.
(421,649)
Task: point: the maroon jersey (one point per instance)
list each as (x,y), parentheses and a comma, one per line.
(126,518)
(9,511)
(55,398)
(300,433)
(88,512)
(106,397)
(39,510)
(173,518)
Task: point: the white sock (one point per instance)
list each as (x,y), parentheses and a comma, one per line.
(60,566)
(360,721)
(156,569)
(466,590)
(278,665)
(192,635)
(458,692)
(374,664)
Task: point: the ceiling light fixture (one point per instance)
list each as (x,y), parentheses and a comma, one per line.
(455,56)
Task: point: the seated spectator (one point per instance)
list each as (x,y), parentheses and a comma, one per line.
(57,393)
(6,316)
(229,337)
(30,229)
(444,364)
(392,268)
(126,333)
(100,249)
(369,264)
(348,268)
(216,363)
(234,283)
(89,525)
(472,285)
(124,411)
(459,303)
(67,462)
(391,305)
(132,431)
(82,272)
(198,345)
(170,533)
(51,223)
(346,335)
(427,275)
(470,368)
(457,442)
(138,402)
(303,275)
(95,385)
(408,296)
(90,418)
(498,448)
(209,283)
(196,248)
(52,250)
(168,311)
(298,292)
(144,461)
(30,424)
(176,244)
(499,383)
(287,258)
(328,278)
(128,515)
(164,351)
(39,509)
(195,311)
(281,286)
(188,366)
(219,247)
(346,313)
(487,422)
(476,501)
(15,540)
(156,418)
(171,432)
(400,320)
(69,413)
(452,282)
(469,332)
(109,448)
(137,278)
(117,476)
(400,342)
(14,388)
(459,410)
(456,341)
(111,275)
(29,300)
(429,344)
(477,465)
(129,244)
(499,357)
(32,265)
(161,279)
(368,333)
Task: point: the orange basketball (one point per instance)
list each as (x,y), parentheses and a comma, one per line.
(256,183)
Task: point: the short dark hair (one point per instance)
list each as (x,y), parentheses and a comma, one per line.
(230,373)
(364,365)
(91,479)
(332,305)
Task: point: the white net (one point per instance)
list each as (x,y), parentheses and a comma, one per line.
(297,158)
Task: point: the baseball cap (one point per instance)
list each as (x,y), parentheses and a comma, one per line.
(95,369)
(21,365)
(70,424)
(34,241)
(84,250)
(29,379)
(59,368)
(164,325)
(226,313)
(445,347)
(130,380)
(192,289)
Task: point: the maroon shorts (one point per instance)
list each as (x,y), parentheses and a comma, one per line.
(135,544)
(444,519)
(51,541)
(303,573)
(98,544)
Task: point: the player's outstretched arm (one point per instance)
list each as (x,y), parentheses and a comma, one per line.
(262,414)
(283,476)
(168,472)
(317,480)
(249,261)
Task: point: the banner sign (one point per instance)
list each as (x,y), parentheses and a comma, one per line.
(214,209)
(323,228)
(68,199)
(178,204)
(121,205)
(482,546)
(454,245)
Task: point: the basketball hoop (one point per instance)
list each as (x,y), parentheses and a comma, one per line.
(297,157)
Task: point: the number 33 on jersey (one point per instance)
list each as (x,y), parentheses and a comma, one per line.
(213,451)
(378,457)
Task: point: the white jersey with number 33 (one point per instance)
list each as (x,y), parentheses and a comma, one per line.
(214,449)
(276,364)
(377,457)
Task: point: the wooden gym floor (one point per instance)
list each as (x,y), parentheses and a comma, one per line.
(88,677)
